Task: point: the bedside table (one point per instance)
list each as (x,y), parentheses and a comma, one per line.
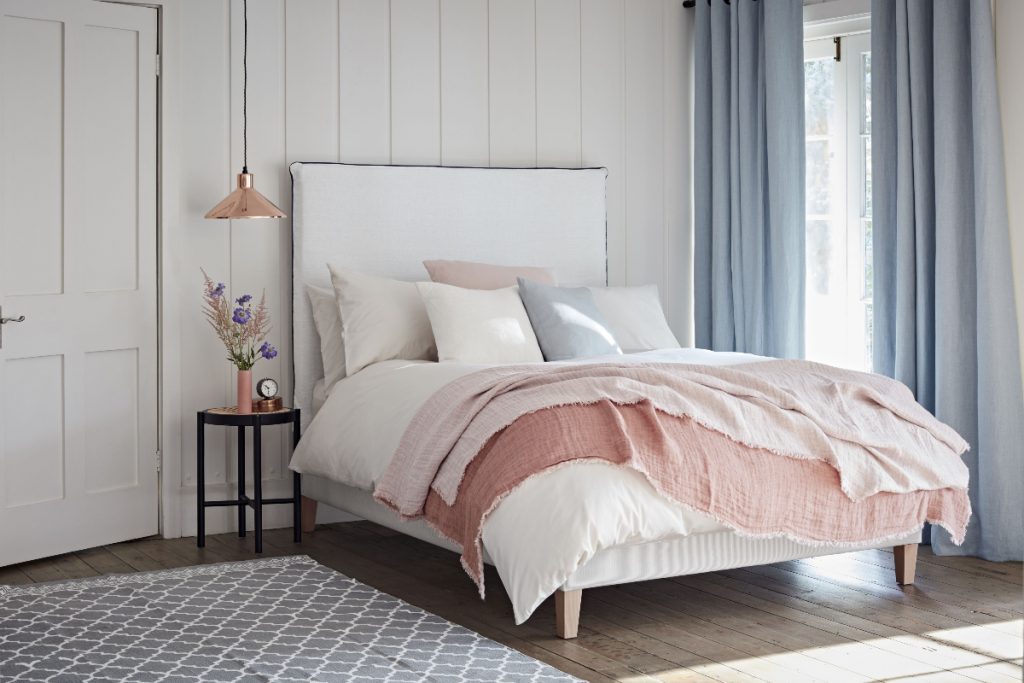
(228,417)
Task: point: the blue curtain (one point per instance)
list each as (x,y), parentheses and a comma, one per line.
(749,176)
(944,315)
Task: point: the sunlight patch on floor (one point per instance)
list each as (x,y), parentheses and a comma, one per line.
(994,654)
(1002,640)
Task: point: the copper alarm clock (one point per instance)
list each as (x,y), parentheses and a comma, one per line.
(268,401)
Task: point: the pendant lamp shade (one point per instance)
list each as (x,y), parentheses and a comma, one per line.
(245,201)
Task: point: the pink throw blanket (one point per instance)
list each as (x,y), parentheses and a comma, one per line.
(815,453)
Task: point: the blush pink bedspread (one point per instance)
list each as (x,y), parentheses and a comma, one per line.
(750,490)
(778,448)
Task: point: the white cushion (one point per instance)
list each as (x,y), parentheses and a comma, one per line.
(480,326)
(635,317)
(327,320)
(381,319)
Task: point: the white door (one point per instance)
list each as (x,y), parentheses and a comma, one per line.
(78,377)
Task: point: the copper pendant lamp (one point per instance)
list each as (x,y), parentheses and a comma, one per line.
(245,201)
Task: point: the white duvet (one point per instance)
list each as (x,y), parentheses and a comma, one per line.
(544,530)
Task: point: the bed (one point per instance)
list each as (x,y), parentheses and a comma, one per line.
(385,220)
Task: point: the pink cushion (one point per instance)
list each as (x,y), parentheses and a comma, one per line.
(471,275)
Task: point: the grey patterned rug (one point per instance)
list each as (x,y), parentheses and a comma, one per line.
(281,619)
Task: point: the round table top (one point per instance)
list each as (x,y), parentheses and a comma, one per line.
(229,415)
(233,410)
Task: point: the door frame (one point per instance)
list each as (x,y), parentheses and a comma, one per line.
(168,197)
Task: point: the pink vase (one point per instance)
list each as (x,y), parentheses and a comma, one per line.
(244,392)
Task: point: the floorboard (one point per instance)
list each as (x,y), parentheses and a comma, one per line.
(837,618)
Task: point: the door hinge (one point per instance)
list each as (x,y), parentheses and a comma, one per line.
(838,41)
(159,460)
(158,65)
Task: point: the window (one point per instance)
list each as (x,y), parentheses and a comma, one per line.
(839,274)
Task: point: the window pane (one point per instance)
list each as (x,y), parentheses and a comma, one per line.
(818,177)
(821,257)
(869,336)
(865,159)
(865,86)
(826,291)
(868,284)
(867,241)
(819,100)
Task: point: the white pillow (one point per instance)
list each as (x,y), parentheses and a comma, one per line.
(480,326)
(381,319)
(327,320)
(635,317)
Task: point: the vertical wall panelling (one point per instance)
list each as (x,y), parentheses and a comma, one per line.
(281,333)
(311,102)
(513,95)
(206,177)
(415,82)
(255,265)
(558,83)
(456,82)
(365,80)
(645,184)
(678,254)
(603,115)
(312,126)
(464,83)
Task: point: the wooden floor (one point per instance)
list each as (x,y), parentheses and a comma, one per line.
(839,618)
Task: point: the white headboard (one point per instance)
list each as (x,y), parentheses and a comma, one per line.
(387,220)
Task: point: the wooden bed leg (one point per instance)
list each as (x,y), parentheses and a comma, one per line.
(308,515)
(567,613)
(906,563)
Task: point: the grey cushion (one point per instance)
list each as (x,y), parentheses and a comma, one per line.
(566,321)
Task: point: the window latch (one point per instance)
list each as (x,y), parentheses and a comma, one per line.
(839,48)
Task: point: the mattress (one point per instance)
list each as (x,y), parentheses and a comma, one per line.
(675,556)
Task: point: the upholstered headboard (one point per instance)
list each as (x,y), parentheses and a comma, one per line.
(386,220)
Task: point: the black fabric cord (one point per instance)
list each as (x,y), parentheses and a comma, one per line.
(245,86)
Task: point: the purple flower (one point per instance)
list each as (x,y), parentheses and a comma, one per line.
(268,351)
(217,291)
(241,316)
(244,299)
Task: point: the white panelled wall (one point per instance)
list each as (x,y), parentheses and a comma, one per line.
(454,82)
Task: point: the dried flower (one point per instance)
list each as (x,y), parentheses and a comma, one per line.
(239,329)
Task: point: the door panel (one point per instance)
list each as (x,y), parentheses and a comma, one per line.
(112,424)
(103,156)
(78,378)
(32,102)
(33,443)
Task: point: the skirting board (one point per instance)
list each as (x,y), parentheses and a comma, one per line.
(677,556)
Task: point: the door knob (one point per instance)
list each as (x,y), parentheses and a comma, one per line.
(4,321)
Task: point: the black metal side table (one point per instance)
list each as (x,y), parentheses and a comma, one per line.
(228,417)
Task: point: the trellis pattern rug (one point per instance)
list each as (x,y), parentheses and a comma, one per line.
(281,619)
